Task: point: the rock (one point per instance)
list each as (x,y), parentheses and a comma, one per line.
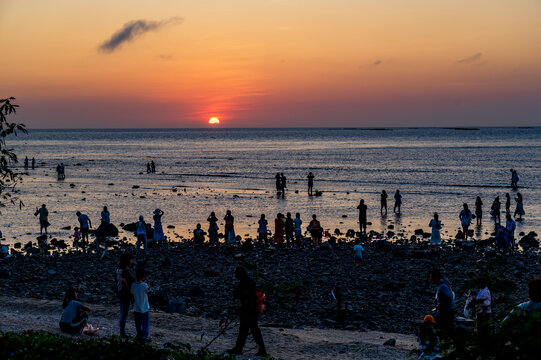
(4,274)
(350,233)
(413,238)
(52,272)
(170,226)
(426,235)
(391,227)
(390,342)
(66,228)
(459,235)
(419,232)
(390,234)
(17,245)
(135,187)
(211,273)
(176,305)
(344,216)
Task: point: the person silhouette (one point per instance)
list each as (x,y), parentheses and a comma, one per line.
(310,183)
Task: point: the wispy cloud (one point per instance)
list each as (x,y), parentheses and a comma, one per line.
(377,62)
(471,59)
(133,30)
(165,57)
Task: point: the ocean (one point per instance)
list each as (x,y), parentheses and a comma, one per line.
(204,170)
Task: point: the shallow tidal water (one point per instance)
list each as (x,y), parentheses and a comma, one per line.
(204,170)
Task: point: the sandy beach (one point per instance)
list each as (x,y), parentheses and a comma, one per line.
(17,314)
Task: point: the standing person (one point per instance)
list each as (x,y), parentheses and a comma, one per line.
(74,316)
(362,216)
(105,216)
(278,183)
(213,229)
(495,210)
(148,168)
(298,231)
(43,218)
(62,171)
(478,211)
(139,290)
(84,224)
(383,204)
(316,231)
(279,230)
(435,239)
(152,166)
(283,184)
(290,228)
(445,303)
(397,202)
(514,179)
(519,210)
(124,280)
(483,303)
(58,172)
(246,294)
(310,183)
(158,227)
(33,163)
(358,253)
(465,217)
(141,231)
(262,230)
(507,203)
(230,237)
(26,163)
(510,226)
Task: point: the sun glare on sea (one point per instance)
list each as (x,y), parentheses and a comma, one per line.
(214,121)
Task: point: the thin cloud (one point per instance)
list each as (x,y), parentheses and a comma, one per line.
(471,59)
(377,62)
(133,30)
(165,57)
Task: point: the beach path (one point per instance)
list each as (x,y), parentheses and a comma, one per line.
(18,314)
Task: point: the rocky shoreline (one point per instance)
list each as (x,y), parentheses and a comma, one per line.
(389,291)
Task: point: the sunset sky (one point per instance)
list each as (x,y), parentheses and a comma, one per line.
(272,63)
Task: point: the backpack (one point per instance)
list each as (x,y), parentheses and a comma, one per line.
(261,301)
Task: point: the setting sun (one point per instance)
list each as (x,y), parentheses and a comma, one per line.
(214,121)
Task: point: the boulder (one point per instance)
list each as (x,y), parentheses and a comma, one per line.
(390,342)
(419,232)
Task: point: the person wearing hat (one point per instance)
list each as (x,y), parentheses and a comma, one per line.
(429,343)
(139,290)
(158,228)
(141,231)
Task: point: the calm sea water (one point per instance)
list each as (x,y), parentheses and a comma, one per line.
(217,169)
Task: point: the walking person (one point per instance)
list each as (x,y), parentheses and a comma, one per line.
(383,203)
(62,171)
(510,226)
(478,211)
(213,229)
(519,210)
(465,217)
(445,303)
(278,183)
(279,230)
(435,239)
(152,166)
(140,290)
(316,231)
(230,237)
(158,227)
(141,231)
(514,179)
(43,218)
(124,280)
(397,202)
(310,183)
(283,184)
(362,216)
(262,231)
(33,163)
(148,168)
(495,210)
(26,163)
(289,228)
(84,224)
(298,230)
(246,294)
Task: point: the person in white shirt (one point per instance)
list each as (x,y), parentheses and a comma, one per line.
(140,289)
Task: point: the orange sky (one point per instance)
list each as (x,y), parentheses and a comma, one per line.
(273,63)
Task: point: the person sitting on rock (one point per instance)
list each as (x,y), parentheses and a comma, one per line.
(198,235)
(75,315)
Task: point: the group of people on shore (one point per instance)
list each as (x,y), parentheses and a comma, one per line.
(27,163)
(61,171)
(151,167)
